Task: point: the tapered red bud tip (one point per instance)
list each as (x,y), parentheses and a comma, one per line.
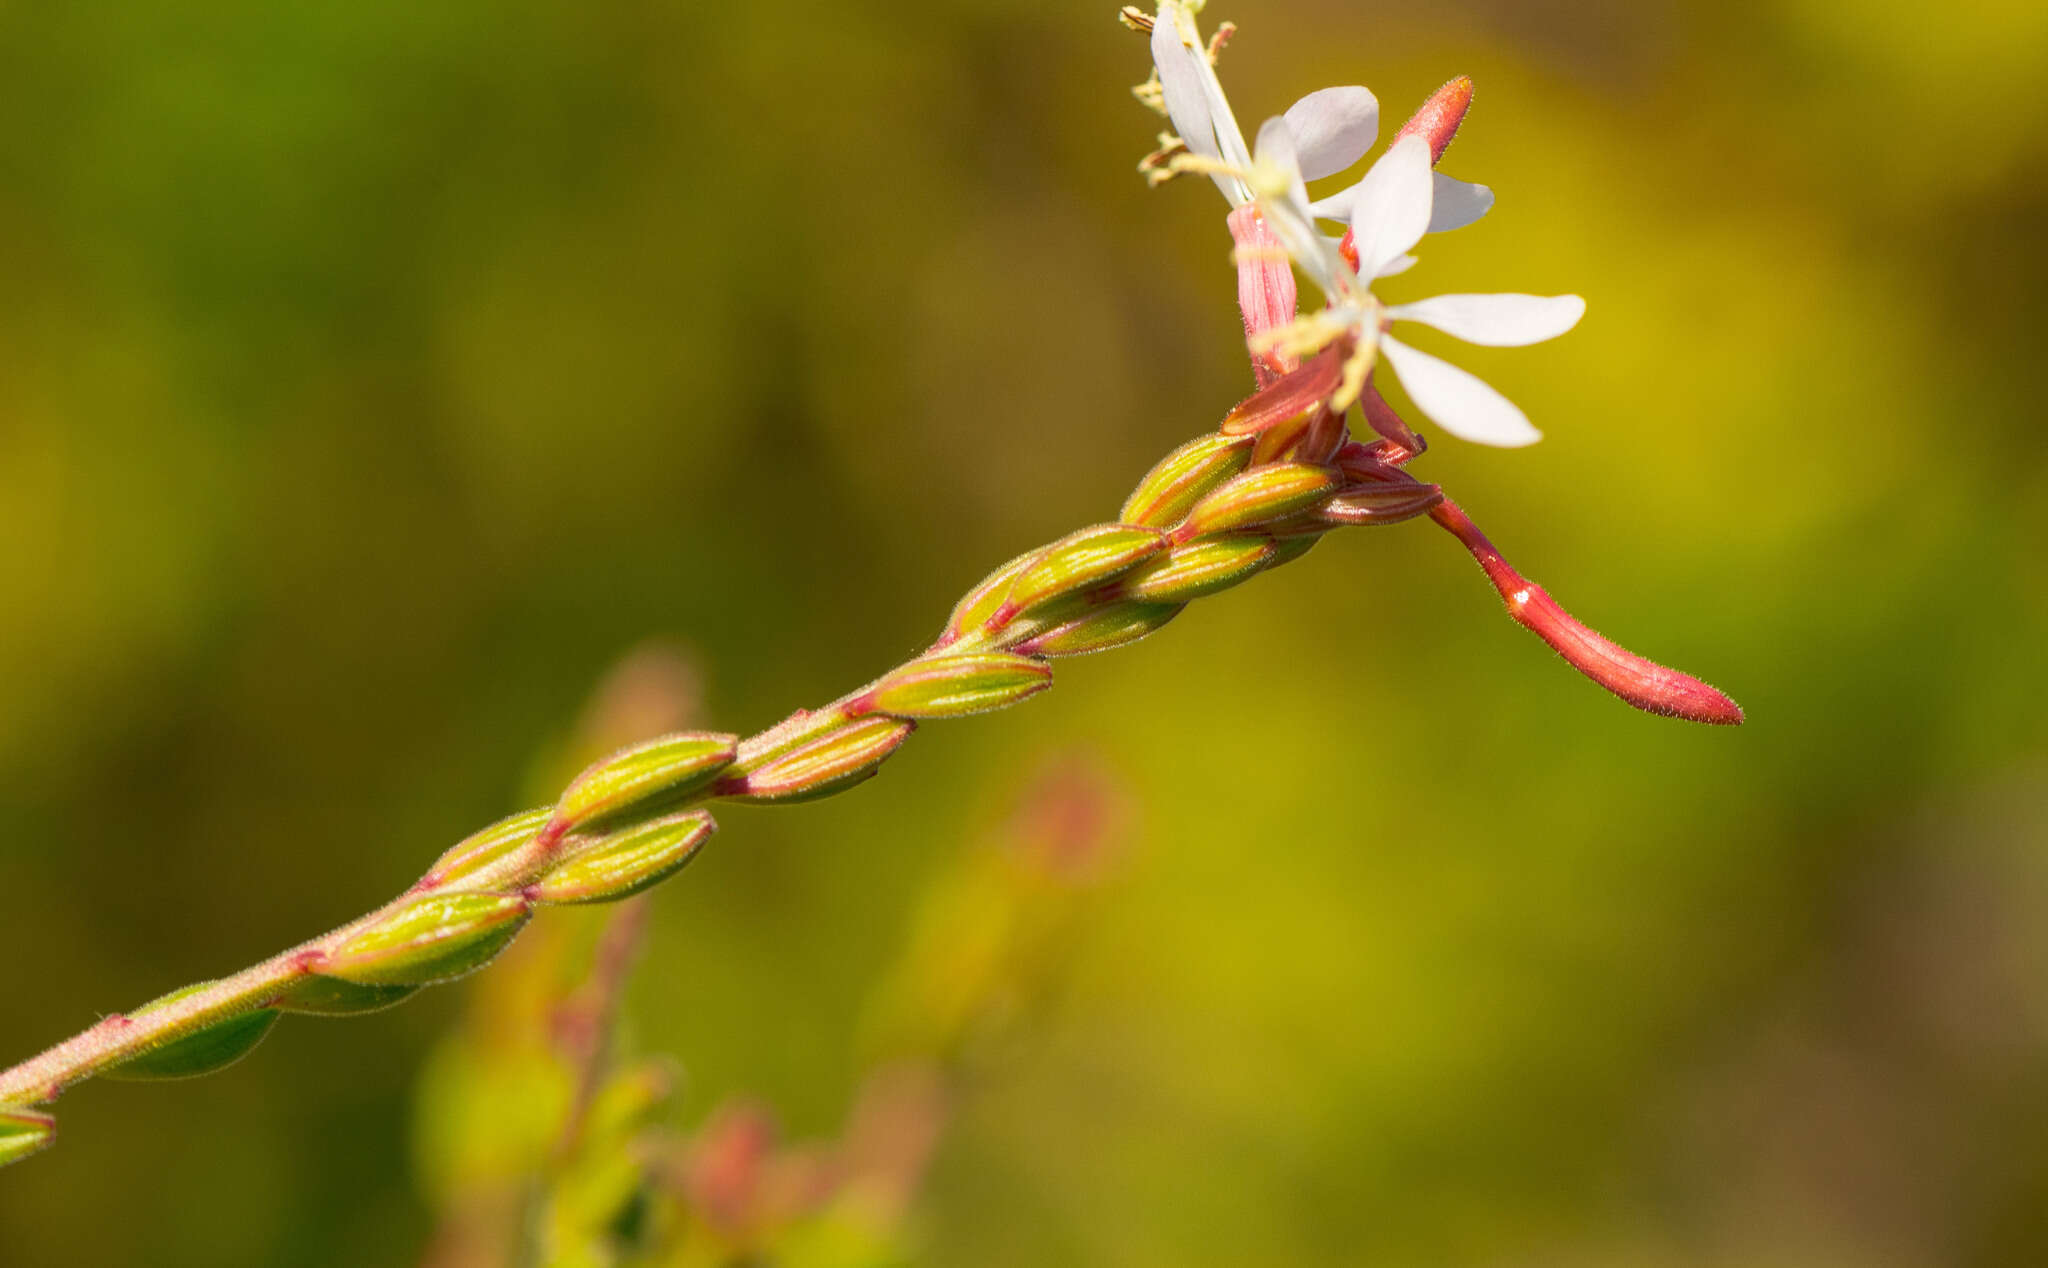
(1440,116)
(1642,682)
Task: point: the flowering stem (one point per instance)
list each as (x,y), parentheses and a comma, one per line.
(1084,600)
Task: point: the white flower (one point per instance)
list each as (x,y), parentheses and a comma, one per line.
(1329,130)
(1399,199)
(1389,212)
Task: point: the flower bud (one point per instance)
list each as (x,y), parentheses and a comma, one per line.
(318,996)
(954,686)
(481,849)
(1081,561)
(1111,626)
(24,1131)
(195,1052)
(1163,497)
(1259,496)
(641,781)
(1266,293)
(1440,116)
(831,763)
(432,940)
(625,862)
(1194,569)
(1638,680)
(1381,503)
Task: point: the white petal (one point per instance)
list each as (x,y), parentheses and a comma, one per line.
(1496,321)
(1458,401)
(1274,148)
(1399,265)
(1286,209)
(1390,211)
(1181,81)
(1333,128)
(1457,203)
(1336,207)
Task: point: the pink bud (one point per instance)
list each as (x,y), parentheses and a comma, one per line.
(1265,287)
(1641,682)
(1440,116)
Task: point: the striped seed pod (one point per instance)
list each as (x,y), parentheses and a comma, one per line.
(980,603)
(1259,496)
(1112,625)
(832,762)
(1183,477)
(1194,569)
(639,782)
(625,862)
(954,686)
(1077,563)
(431,939)
(481,849)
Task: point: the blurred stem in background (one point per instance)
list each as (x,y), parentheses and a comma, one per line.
(542,1139)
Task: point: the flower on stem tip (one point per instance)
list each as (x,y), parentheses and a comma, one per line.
(1387,212)
(1312,368)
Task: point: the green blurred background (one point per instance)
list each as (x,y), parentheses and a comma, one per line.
(374,375)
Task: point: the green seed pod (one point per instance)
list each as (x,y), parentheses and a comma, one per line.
(831,763)
(1112,626)
(481,849)
(24,1131)
(435,938)
(196,1052)
(1181,479)
(318,996)
(953,686)
(625,862)
(642,781)
(1199,568)
(1083,560)
(1259,496)
(987,596)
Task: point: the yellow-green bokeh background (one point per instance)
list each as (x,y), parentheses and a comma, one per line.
(372,375)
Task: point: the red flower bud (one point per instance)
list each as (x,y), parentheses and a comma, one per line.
(1638,680)
(1440,116)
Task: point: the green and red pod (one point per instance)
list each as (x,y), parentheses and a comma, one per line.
(1113,625)
(1078,563)
(431,939)
(479,850)
(983,601)
(1181,479)
(954,686)
(828,764)
(1260,496)
(644,780)
(1194,569)
(622,863)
